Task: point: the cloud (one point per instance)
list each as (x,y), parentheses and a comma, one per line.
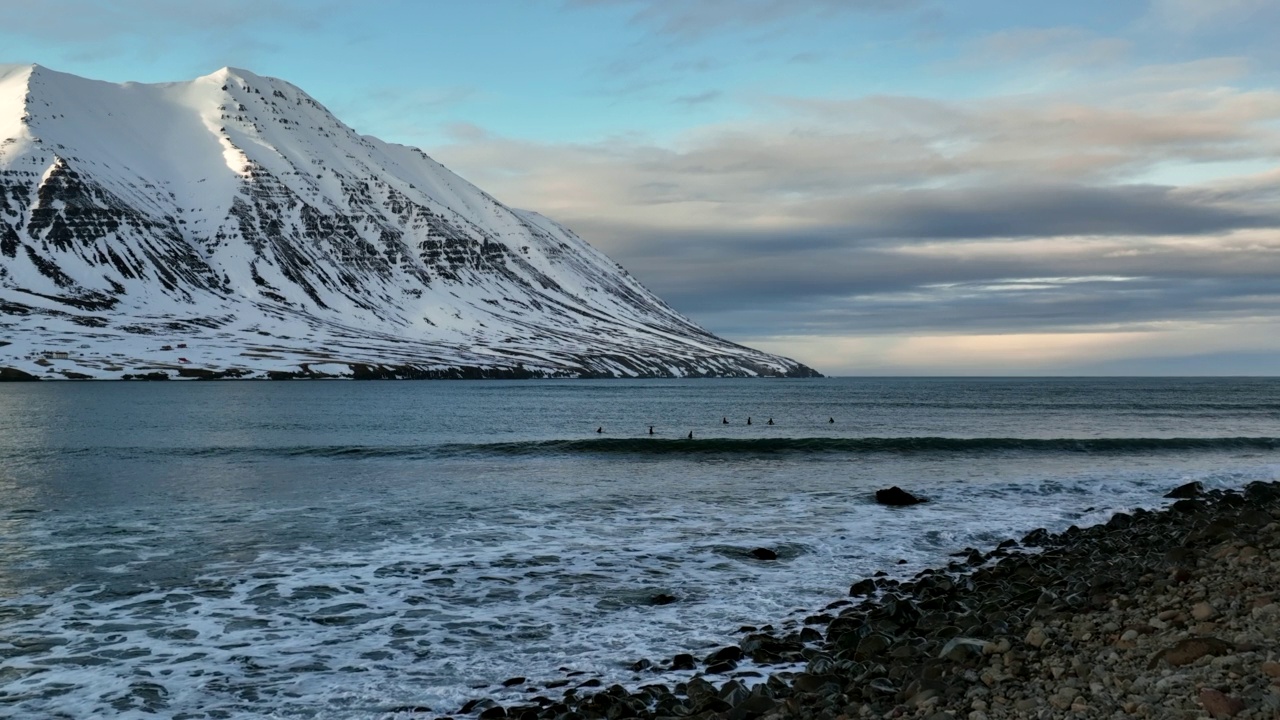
(1067,283)
(1191,16)
(898,167)
(90,20)
(1042,218)
(88,30)
(696,99)
(1038,211)
(1056,48)
(691,19)
(1190,349)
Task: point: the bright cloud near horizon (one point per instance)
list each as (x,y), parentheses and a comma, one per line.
(869,186)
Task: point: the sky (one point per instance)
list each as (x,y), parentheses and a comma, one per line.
(873,187)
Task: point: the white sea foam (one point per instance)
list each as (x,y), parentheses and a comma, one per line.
(445,612)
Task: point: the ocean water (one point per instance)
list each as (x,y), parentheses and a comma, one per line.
(343,549)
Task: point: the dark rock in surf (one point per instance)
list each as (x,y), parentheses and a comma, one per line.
(662,599)
(897,497)
(683,661)
(512,682)
(1186,492)
(730,653)
(1120,520)
(764,554)
(862,588)
(1036,538)
(477,704)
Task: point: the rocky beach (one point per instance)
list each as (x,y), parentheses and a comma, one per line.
(1159,614)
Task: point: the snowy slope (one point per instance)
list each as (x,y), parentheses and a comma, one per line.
(232,225)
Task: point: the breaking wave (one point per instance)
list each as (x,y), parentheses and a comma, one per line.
(744,447)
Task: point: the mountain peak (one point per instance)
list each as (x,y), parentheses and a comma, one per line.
(236,216)
(227,71)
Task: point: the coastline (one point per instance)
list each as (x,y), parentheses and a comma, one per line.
(1165,614)
(358,371)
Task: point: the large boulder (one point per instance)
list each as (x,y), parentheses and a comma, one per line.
(897,497)
(1186,492)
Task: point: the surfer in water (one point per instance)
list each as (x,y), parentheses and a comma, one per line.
(770,421)
(831,420)
(724,421)
(600,429)
(690,434)
(748,420)
(650,429)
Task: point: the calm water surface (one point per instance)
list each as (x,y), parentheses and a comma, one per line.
(339,549)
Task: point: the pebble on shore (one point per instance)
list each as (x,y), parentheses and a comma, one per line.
(1168,614)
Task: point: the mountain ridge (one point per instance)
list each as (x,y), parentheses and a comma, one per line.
(235,219)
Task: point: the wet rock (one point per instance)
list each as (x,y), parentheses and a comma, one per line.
(663,599)
(731,653)
(863,588)
(1191,649)
(764,554)
(1220,705)
(1120,520)
(958,648)
(476,705)
(753,707)
(808,683)
(897,497)
(512,682)
(1186,492)
(733,692)
(871,646)
(683,661)
(1036,538)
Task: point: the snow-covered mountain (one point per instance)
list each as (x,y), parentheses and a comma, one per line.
(232,226)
